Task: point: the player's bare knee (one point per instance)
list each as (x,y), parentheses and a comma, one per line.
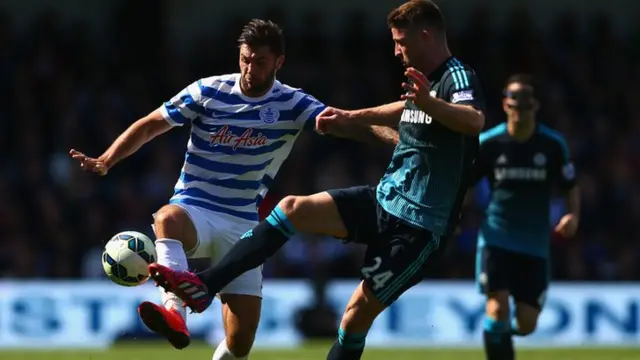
(173,223)
(497,306)
(315,213)
(290,205)
(295,208)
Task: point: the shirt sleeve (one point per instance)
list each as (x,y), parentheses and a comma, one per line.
(564,171)
(462,87)
(185,106)
(309,107)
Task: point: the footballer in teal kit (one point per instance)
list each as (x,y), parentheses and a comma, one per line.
(525,163)
(407,217)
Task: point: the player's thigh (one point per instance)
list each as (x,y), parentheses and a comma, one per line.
(529,290)
(241,315)
(179,223)
(493,269)
(399,260)
(340,213)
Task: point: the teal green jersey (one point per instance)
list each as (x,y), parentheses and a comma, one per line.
(524,176)
(429,172)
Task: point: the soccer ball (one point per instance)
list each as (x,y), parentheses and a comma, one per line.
(126,257)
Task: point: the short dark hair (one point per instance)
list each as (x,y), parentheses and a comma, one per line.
(524,79)
(259,32)
(417,13)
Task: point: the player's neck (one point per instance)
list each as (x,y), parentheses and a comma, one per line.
(521,130)
(436,59)
(255,94)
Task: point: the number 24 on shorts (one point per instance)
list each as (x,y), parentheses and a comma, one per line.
(379,280)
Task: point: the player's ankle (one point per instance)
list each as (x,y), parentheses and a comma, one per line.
(495,328)
(347,346)
(351,341)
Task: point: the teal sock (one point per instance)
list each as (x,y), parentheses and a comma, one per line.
(347,346)
(497,340)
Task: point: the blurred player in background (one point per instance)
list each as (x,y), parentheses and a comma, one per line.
(524,162)
(242,129)
(406,219)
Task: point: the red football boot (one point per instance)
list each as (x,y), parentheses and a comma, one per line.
(166,322)
(186,285)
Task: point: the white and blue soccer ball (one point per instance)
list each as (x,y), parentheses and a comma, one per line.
(126,258)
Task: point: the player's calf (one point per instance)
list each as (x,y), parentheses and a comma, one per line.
(497,330)
(175,232)
(362,310)
(526,319)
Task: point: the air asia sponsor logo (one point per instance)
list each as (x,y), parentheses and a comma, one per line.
(224,136)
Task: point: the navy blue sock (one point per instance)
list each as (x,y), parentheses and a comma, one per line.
(498,344)
(347,346)
(251,251)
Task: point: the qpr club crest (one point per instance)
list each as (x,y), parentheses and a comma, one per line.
(269,115)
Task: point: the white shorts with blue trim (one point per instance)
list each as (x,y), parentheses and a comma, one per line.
(217,233)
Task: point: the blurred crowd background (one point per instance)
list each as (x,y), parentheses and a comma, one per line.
(62,86)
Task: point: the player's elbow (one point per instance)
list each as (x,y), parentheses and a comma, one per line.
(151,126)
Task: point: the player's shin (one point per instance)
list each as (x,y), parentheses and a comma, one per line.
(347,346)
(251,251)
(171,254)
(498,344)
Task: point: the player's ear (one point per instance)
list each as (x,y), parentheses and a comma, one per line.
(536,105)
(279,62)
(425,34)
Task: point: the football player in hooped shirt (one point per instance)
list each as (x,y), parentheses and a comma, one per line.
(524,162)
(406,219)
(243,127)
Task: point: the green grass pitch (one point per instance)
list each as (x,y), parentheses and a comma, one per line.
(161,351)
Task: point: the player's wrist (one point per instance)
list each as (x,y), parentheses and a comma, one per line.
(107,161)
(427,103)
(354,115)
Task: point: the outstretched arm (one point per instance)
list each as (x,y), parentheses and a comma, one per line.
(370,134)
(372,125)
(132,139)
(138,134)
(175,112)
(383,115)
